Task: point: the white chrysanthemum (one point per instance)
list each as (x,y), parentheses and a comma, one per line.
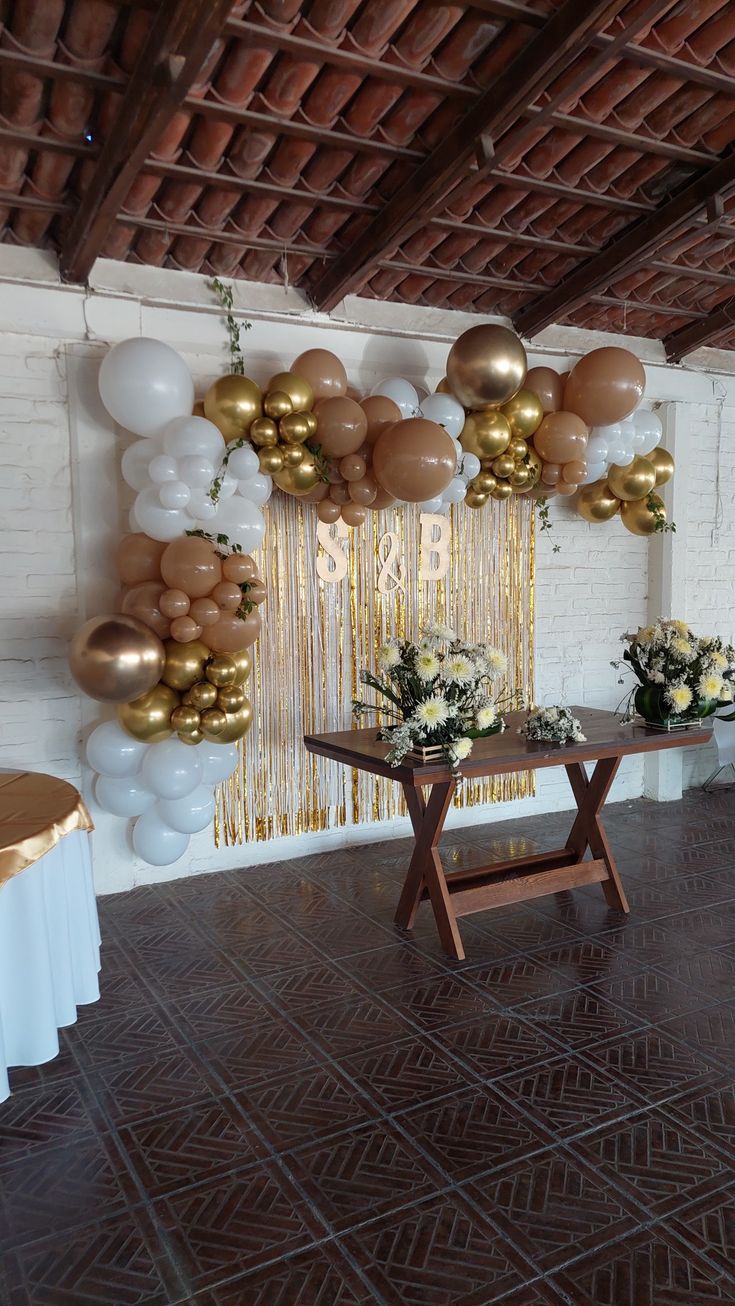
(680,697)
(388,656)
(551,713)
(432,712)
(435,630)
(579,738)
(710,685)
(680,627)
(458,668)
(683,648)
(462,748)
(718,660)
(657,677)
(486,716)
(645,635)
(497,662)
(726,694)
(427,666)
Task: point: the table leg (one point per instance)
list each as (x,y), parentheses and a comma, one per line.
(588,830)
(426,870)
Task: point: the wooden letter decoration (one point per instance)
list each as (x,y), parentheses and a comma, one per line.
(331,564)
(435,537)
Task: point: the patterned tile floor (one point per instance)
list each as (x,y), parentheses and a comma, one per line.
(281,1100)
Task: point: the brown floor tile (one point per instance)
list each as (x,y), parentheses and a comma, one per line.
(708,1225)
(185,1146)
(309,1104)
(320,1277)
(473,1131)
(569,1096)
(151,1086)
(496,1044)
(652,1268)
(405,1073)
(652,1065)
(710,1112)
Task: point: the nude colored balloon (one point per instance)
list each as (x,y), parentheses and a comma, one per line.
(138,558)
(324,371)
(574,472)
(227,595)
(143,603)
(605,386)
(315,495)
(414,460)
(550,473)
(352,467)
(339,493)
(564,487)
(363,491)
(341,426)
(230,633)
(185,629)
(380,412)
(353,514)
(548,385)
(561,437)
(239,567)
(382,500)
(174,603)
(205,612)
(328,510)
(191,564)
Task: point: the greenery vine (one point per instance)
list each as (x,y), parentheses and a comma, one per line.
(655,507)
(545,519)
(321,462)
(222,542)
(224,295)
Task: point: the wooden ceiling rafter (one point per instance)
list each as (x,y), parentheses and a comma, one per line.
(698,333)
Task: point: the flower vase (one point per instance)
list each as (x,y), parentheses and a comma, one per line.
(650,702)
(494,729)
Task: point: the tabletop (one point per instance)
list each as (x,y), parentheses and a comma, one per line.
(606,736)
(35,812)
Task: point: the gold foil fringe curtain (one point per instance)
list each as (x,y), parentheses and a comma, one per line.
(318,636)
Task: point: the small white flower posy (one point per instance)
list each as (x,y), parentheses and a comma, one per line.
(554,725)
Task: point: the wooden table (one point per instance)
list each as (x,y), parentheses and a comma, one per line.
(458,893)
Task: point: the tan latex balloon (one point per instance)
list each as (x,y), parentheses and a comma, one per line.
(339,493)
(605,386)
(561,438)
(299,480)
(353,514)
(239,567)
(319,492)
(143,602)
(523,413)
(662,463)
(632,482)
(185,629)
(414,460)
(138,559)
(227,595)
(638,516)
(574,472)
(185,664)
(232,633)
(114,659)
(352,467)
(296,387)
(597,502)
(382,500)
(174,603)
(547,385)
(341,426)
(551,473)
(204,611)
(232,403)
(148,718)
(565,487)
(324,371)
(485,434)
(257,593)
(190,563)
(328,511)
(364,491)
(380,412)
(486,366)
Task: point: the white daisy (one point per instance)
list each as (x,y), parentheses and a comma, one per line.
(388,656)
(432,712)
(486,716)
(497,662)
(462,748)
(427,666)
(458,668)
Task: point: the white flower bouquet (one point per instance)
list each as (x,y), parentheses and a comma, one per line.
(438,693)
(554,725)
(682,676)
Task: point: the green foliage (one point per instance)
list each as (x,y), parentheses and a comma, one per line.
(224,546)
(545,520)
(653,503)
(224,295)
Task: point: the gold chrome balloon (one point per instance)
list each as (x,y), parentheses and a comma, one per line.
(298,390)
(195,737)
(115,659)
(263,432)
(231,698)
(486,366)
(270,461)
(662,463)
(485,434)
(638,517)
(222,670)
(475,498)
(148,718)
(201,695)
(232,403)
(484,483)
(504,465)
(312,423)
(214,721)
(521,477)
(524,413)
(277,404)
(633,482)
(185,719)
(503,490)
(597,502)
(294,428)
(243,660)
(517,448)
(238,724)
(535,464)
(293,455)
(301,479)
(185,663)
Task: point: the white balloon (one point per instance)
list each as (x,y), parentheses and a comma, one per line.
(648,430)
(243,463)
(174,494)
(218,762)
(144,383)
(446,411)
(122,795)
(135,462)
(595,472)
(431,505)
(171,769)
(188,815)
(162,468)
(189,436)
(201,507)
(112,751)
(621,457)
(241,522)
(159,522)
(228,486)
(401,392)
(197,472)
(455,491)
(471,466)
(157,843)
(257,489)
(597,445)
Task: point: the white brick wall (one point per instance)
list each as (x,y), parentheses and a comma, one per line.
(61,507)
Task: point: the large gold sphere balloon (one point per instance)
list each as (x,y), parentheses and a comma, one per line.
(277,404)
(638,517)
(263,432)
(237,724)
(243,660)
(222,670)
(524,413)
(301,479)
(214,721)
(485,434)
(116,659)
(148,718)
(503,490)
(484,483)
(270,461)
(443,387)
(185,663)
(201,695)
(633,482)
(662,464)
(231,698)
(232,403)
(294,428)
(504,465)
(486,366)
(475,498)
(597,502)
(185,719)
(298,390)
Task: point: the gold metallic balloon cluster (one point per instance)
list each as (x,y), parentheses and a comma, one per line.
(199,696)
(498,437)
(277,421)
(631,492)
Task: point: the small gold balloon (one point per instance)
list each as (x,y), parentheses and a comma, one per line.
(633,482)
(312,423)
(662,463)
(148,718)
(524,413)
(535,464)
(301,479)
(184,663)
(294,428)
(198,410)
(638,516)
(237,724)
(597,502)
(202,695)
(263,432)
(503,490)
(504,465)
(185,719)
(270,461)
(484,483)
(517,448)
(293,455)
(485,434)
(214,721)
(298,390)
(230,698)
(222,671)
(520,477)
(475,498)
(232,403)
(243,660)
(195,737)
(277,404)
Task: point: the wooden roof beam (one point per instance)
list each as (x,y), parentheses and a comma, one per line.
(690,337)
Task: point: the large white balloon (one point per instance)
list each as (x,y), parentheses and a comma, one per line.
(455,492)
(401,392)
(431,505)
(648,430)
(157,843)
(188,437)
(243,463)
(144,383)
(201,507)
(446,411)
(190,814)
(159,522)
(595,472)
(123,795)
(135,463)
(242,522)
(171,769)
(112,751)
(257,489)
(218,762)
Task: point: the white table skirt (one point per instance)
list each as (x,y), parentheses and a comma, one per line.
(49,953)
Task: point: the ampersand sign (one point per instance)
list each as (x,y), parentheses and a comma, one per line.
(389,558)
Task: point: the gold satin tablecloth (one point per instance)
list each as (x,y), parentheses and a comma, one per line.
(36,811)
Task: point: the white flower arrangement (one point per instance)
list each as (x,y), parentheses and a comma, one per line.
(438,692)
(682,675)
(554,725)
